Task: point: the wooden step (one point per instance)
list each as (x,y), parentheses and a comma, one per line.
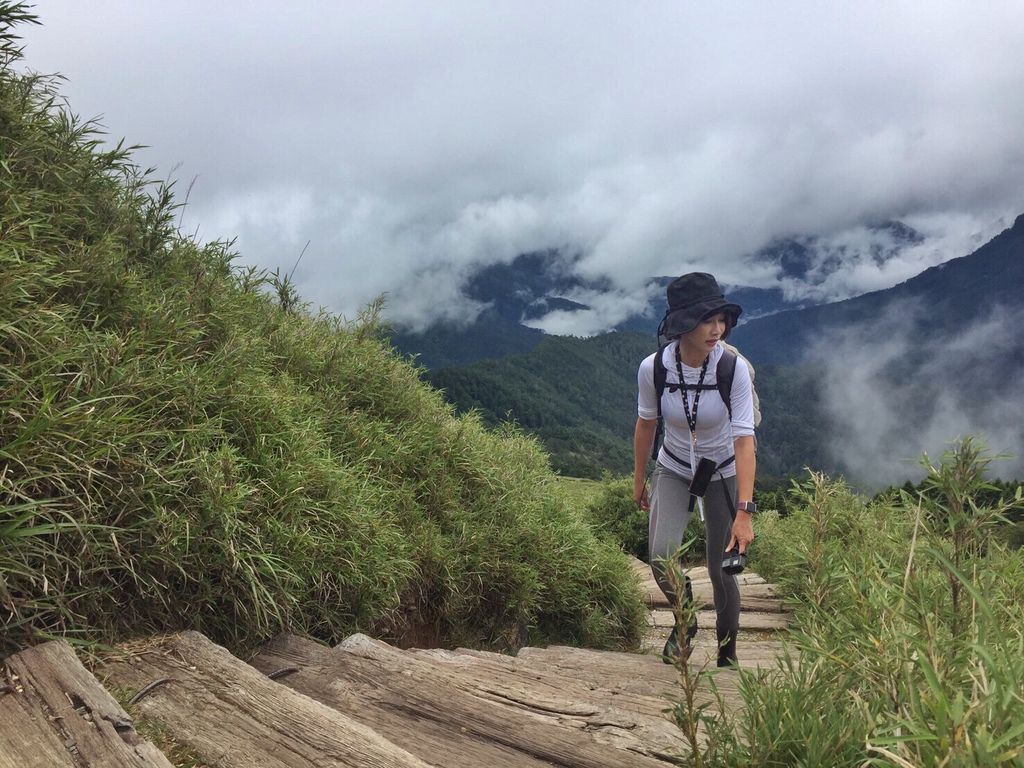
(755,594)
(230,714)
(462,717)
(54,713)
(622,671)
(749,620)
(639,704)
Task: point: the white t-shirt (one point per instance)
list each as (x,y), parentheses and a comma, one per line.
(715,433)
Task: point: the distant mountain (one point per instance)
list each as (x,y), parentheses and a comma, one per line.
(941,300)
(909,369)
(490,336)
(756,302)
(534,284)
(527,288)
(576,394)
(951,369)
(579,397)
(811,260)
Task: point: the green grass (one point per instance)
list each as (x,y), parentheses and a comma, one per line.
(184,444)
(907,641)
(578,491)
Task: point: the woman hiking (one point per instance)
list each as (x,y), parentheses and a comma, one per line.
(698,425)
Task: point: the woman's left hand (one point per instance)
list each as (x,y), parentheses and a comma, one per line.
(742,531)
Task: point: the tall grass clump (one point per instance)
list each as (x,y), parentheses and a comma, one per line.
(184,444)
(908,639)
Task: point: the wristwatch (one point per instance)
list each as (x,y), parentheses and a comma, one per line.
(746,506)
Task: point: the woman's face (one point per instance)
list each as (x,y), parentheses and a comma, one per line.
(707,333)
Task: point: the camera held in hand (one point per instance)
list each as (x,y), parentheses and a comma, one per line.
(734,562)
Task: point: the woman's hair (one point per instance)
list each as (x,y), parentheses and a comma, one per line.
(730,323)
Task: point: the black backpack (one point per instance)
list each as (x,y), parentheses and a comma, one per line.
(724,373)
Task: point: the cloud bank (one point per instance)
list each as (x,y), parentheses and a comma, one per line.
(890,400)
(410,143)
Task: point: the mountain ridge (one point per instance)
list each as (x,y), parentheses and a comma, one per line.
(874,390)
(991,275)
(518,296)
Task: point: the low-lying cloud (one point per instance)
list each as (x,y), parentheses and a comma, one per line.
(890,400)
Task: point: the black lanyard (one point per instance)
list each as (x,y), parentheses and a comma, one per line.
(691,419)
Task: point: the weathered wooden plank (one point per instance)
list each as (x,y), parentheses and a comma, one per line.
(511,676)
(749,620)
(514,678)
(755,593)
(637,671)
(698,573)
(231,715)
(28,737)
(754,652)
(366,676)
(395,715)
(55,714)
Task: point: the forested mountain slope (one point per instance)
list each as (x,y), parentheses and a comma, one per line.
(579,397)
(927,360)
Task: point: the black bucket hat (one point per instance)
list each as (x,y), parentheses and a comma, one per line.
(692,298)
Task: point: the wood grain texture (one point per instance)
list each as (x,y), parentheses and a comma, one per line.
(231,715)
(57,714)
(454,716)
(749,620)
(755,594)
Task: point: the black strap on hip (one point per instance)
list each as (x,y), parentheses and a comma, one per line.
(725,488)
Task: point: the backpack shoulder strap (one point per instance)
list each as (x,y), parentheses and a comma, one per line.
(725,371)
(660,379)
(660,374)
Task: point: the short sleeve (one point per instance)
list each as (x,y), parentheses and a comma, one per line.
(742,401)
(647,399)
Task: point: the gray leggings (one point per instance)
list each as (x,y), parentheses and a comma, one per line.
(670,499)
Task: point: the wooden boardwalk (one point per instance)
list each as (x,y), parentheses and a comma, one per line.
(762,617)
(365,703)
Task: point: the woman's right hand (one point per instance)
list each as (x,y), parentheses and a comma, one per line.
(643,440)
(640,494)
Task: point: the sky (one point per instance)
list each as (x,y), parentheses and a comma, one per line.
(398,146)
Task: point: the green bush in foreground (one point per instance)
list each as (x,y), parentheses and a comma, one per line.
(182,444)
(908,639)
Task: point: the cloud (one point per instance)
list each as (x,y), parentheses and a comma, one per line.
(861,259)
(890,400)
(410,142)
(606,309)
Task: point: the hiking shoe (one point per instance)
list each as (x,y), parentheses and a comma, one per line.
(673,651)
(670,653)
(727,650)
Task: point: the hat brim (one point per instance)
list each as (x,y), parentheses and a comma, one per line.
(686,319)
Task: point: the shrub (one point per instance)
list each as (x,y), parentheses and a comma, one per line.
(908,637)
(616,515)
